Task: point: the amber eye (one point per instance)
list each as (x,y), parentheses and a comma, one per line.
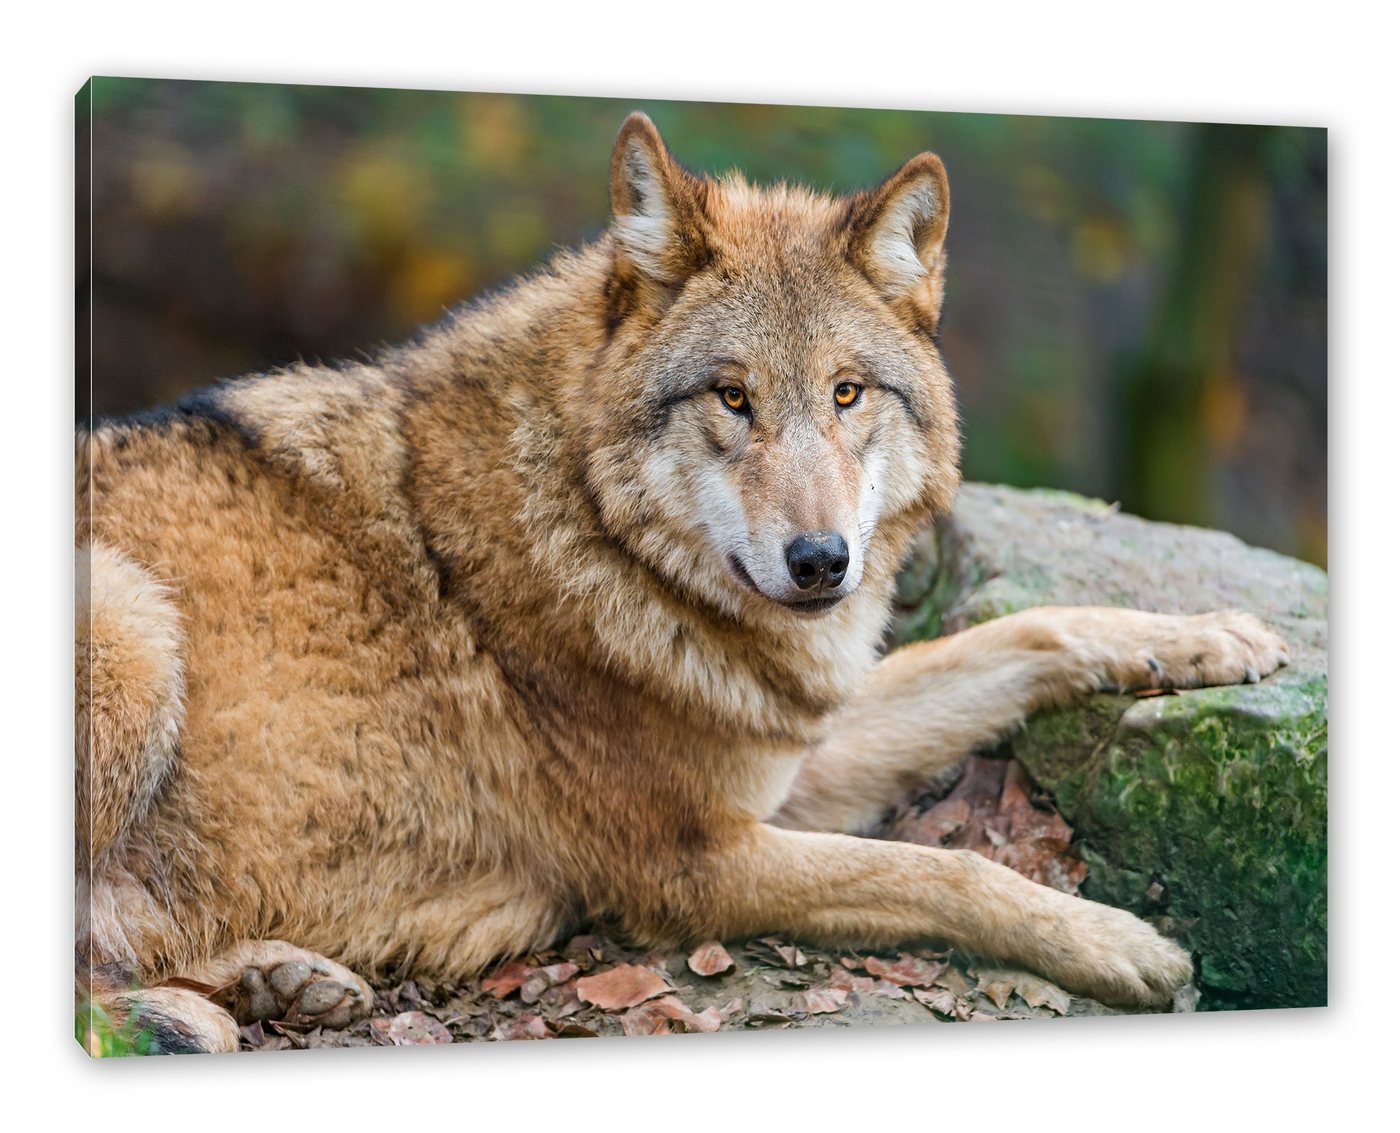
(734,398)
(847,394)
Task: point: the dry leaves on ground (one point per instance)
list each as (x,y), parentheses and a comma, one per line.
(541,980)
(710,959)
(507,978)
(621,987)
(867,985)
(999,984)
(821,1000)
(907,971)
(995,809)
(409,1028)
(668,1015)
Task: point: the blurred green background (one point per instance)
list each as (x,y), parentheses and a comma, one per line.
(1136,310)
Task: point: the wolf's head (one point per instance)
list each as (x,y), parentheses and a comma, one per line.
(770,418)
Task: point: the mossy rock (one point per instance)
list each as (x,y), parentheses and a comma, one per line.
(1207,809)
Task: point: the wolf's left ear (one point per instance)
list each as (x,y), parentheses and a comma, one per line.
(658,207)
(896,234)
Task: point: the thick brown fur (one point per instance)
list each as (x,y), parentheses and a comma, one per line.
(422,662)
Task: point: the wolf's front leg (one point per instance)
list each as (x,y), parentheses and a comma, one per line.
(838,890)
(928,705)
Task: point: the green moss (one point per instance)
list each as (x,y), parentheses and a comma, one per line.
(1209,810)
(930,587)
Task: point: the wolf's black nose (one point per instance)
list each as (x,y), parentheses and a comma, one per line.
(818,559)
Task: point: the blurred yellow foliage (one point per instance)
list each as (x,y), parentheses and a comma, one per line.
(1100,250)
(518,235)
(494,129)
(429,282)
(1224,412)
(1312,533)
(166,184)
(384,195)
(1044,193)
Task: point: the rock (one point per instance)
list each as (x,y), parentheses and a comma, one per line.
(1207,809)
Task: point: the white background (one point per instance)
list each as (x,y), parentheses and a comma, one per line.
(1319,65)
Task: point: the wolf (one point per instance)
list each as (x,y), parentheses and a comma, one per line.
(569,611)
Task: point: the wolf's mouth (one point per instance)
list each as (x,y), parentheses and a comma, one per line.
(815,605)
(801,606)
(743,575)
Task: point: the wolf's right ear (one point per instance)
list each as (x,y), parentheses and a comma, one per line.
(658,207)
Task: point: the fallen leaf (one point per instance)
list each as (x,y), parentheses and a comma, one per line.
(195,986)
(955,981)
(1041,993)
(623,986)
(821,1000)
(710,959)
(656,961)
(907,971)
(321,1037)
(560,1001)
(943,1002)
(573,1031)
(944,819)
(541,980)
(767,1019)
(646,1021)
(709,1020)
(584,943)
(997,986)
(294,1033)
(522,1027)
(407,996)
(414,1028)
(866,985)
(506,978)
(678,1016)
(789,954)
(458,1008)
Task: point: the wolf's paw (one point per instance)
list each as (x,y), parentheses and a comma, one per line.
(1223,648)
(1120,960)
(304,988)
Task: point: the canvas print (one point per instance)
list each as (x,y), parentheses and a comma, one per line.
(564,567)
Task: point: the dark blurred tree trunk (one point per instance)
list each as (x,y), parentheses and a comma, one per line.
(1187,369)
(82,252)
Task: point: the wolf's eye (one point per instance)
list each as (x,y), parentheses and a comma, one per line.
(847,394)
(734,398)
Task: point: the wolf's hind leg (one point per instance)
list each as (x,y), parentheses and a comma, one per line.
(927,706)
(129,694)
(269,979)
